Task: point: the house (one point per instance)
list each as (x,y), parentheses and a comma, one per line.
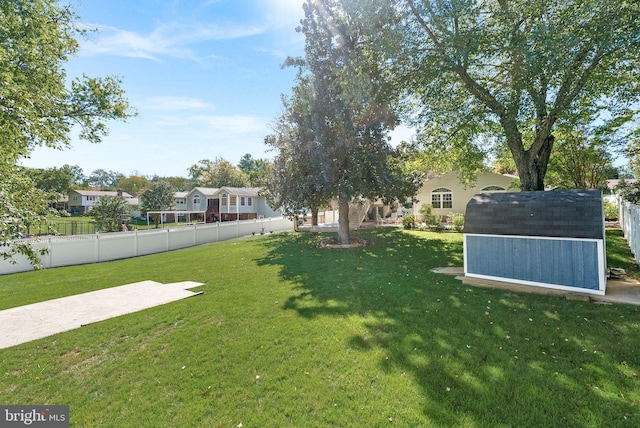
(180,199)
(81,201)
(229,203)
(447,194)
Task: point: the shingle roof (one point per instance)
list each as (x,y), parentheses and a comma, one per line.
(242,191)
(101,193)
(558,213)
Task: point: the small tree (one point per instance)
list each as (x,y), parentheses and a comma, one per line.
(159,196)
(109,211)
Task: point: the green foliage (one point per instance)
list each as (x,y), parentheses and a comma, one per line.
(257,170)
(109,212)
(217,173)
(408,221)
(158,197)
(104,180)
(425,211)
(22,205)
(610,210)
(457,220)
(629,191)
(55,180)
(580,160)
(478,75)
(36,106)
(333,136)
(133,184)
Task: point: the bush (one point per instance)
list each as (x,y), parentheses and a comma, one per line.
(458,221)
(610,210)
(409,221)
(426,212)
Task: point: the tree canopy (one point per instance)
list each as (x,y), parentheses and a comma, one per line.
(110,212)
(37,107)
(337,142)
(158,197)
(475,74)
(217,173)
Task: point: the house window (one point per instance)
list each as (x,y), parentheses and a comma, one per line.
(442,198)
(493,189)
(232,200)
(224,199)
(249,201)
(196,201)
(242,201)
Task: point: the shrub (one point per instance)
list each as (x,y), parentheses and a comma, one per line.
(409,221)
(610,210)
(426,212)
(457,220)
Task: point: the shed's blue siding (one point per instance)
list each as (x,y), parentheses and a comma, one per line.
(570,263)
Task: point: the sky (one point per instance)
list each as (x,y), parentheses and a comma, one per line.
(205,77)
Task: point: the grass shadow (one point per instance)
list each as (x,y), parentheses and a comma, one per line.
(480,357)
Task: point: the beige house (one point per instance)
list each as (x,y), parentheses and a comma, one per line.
(448,195)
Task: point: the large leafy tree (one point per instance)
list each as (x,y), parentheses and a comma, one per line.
(580,161)
(343,134)
(133,184)
(217,173)
(298,182)
(498,71)
(56,180)
(158,197)
(105,180)
(38,108)
(256,170)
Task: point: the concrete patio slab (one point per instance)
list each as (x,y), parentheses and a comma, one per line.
(31,322)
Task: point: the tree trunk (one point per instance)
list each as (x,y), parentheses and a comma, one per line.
(532,166)
(343,220)
(314,216)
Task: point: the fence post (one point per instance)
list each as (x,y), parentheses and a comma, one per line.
(97,246)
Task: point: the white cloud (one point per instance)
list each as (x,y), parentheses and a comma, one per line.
(167,40)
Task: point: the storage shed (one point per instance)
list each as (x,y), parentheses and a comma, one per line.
(552,239)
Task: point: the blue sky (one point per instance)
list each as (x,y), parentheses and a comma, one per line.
(204,75)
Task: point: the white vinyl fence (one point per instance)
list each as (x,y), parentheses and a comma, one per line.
(629,218)
(100,247)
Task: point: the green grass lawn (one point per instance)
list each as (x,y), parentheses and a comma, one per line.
(288,334)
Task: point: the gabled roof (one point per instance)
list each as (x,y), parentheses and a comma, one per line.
(207,191)
(611,184)
(556,213)
(101,193)
(180,194)
(241,191)
(212,192)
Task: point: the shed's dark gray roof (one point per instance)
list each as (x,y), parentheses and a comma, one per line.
(557,213)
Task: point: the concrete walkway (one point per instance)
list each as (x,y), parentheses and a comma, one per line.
(621,291)
(31,322)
